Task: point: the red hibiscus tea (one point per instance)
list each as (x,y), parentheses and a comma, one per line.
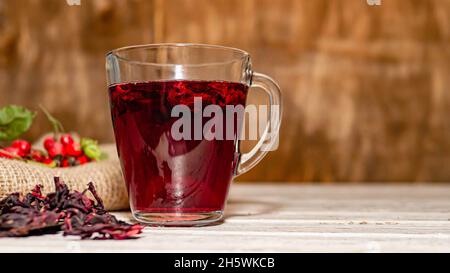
(178,171)
(165,175)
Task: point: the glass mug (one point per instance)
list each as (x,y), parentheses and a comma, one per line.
(172,181)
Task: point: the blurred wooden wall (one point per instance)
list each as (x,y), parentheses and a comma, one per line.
(366,88)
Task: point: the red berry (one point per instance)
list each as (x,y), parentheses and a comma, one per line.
(9,152)
(49,142)
(23,146)
(66,139)
(83,159)
(47,160)
(37,156)
(73,149)
(4,154)
(65,163)
(56,149)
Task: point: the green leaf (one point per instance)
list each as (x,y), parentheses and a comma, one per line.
(14,121)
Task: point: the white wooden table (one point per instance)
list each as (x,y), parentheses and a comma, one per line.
(293,218)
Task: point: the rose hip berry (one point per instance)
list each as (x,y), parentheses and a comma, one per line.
(23,146)
(66,139)
(58,154)
(10,152)
(73,149)
(56,149)
(48,161)
(37,156)
(61,149)
(66,152)
(82,159)
(65,163)
(5,154)
(49,142)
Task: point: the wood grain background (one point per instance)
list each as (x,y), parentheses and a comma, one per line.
(366,88)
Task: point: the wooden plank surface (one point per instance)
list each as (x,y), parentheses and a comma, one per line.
(293,218)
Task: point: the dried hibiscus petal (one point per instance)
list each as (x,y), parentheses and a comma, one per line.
(72,212)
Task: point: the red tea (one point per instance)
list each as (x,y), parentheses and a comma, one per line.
(165,175)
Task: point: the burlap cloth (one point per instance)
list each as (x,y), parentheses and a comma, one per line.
(18,176)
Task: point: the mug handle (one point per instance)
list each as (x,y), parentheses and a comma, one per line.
(267,141)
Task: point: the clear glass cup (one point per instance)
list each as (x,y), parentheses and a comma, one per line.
(183,181)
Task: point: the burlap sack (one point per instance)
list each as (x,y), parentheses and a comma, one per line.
(18,176)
